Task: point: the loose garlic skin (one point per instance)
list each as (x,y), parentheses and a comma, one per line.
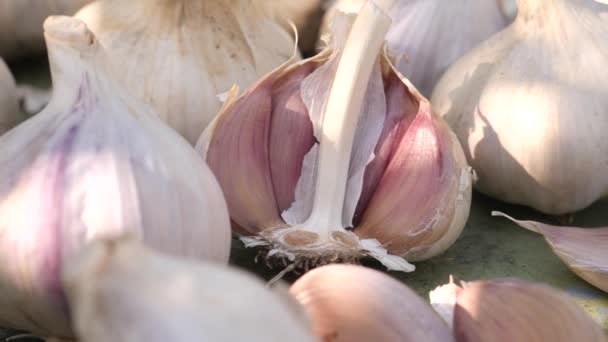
(9,107)
(21,24)
(507,310)
(402,184)
(305,14)
(120,291)
(533,130)
(179,55)
(94,163)
(356,304)
(429,35)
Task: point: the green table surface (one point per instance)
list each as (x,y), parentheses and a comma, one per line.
(490,247)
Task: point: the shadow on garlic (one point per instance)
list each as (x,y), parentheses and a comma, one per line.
(583,250)
(9,108)
(179,55)
(94,163)
(513,310)
(120,291)
(338,157)
(529,107)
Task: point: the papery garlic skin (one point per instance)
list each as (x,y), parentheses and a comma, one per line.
(516,310)
(122,292)
(429,35)
(180,55)
(95,163)
(356,304)
(304,14)
(583,250)
(9,108)
(21,24)
(295,178)
(529,107)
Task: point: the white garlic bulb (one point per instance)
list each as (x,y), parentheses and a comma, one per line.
(122,292)
(94,163)
(178,55)
(380,176)
(427,36)
(9,108)
(530,107)
(21,23)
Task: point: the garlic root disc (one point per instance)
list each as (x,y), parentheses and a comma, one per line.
(356,304)
(583,250)
(94,163)
(530,107)
(179,55)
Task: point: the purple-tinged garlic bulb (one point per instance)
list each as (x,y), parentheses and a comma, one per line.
(339,157)
(94,163)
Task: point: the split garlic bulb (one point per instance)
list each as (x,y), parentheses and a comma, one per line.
(297,178)
(122,292)
(94,163)
(356,304)
(583,250)
(179,55)
(507,310)
(429,35)
(530,107)
(9,107)
(21,23)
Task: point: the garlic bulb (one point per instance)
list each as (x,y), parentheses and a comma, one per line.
(353,303)
(122,292)
(9,108)
(583,250)
(515,310)
(297,179)
(21,23)
(530,108)
(178,55)
(429,35)
(94,163)
(305,14)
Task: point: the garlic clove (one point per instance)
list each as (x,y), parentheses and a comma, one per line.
(120,291)
(9,109)
(94,163)
(421,204)
(516,310)
(583,250)
(178,55)
(354,303)
(535,134)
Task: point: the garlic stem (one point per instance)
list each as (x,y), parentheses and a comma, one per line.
(341,116)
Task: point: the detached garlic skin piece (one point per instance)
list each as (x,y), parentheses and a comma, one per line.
(21,24)
(95,163)
(305,14)
(9,106)
(120,291)
(297,179)
(427,36)
(179,55)
(356,304)
(515,310)
(530,107)
(583,250)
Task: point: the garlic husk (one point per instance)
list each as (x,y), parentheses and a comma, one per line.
(122,292)
(583,250)
(178,55)
(429,35)
(306,15)
(94,163)
(9,107)
(517,310)
(21,24)
(353,303)
(383,163)
(528,107)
